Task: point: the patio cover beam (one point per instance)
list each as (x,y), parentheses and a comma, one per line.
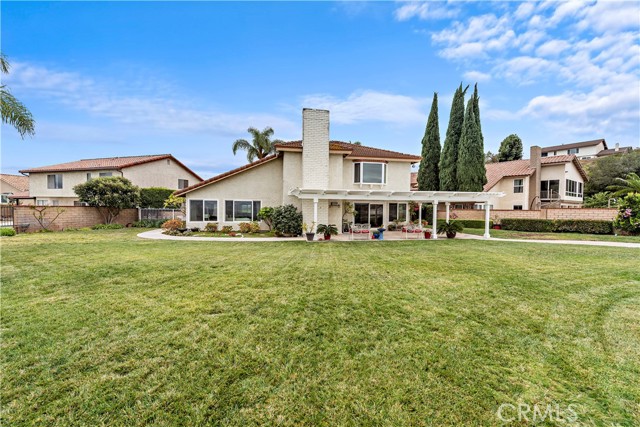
(395,196)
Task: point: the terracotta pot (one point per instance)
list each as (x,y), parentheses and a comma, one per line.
(427,234)
(327,237)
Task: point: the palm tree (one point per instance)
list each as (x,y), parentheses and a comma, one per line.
(261,145)
(629,185)
(14,112)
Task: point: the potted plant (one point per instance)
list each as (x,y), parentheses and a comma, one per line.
(308,231)
(497,225)
(327,230)
(450,228)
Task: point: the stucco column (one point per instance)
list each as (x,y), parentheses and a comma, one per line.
(420,214)
(486,220)
(434,234)
(315,216)
(446,204)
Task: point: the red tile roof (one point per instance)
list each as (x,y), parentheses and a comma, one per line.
(497,171)
(227,174)
(575,145)
(107,163)
(21,195)
(18,181)
(356,151)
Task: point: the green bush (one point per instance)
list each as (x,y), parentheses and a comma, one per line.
(558,226)
(628,219)
(287,220)
(7,232)
(227,229)
(113,226)
(211,227)
(154,197)
(149,223)
(470,223)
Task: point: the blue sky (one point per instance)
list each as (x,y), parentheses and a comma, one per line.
(124,78)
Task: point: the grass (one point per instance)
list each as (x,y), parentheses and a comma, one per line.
(237,234)
(510,234)
(103,328)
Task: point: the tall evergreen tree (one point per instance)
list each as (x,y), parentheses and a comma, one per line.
(449,158)
(510,148)
(476,110)
(428,174)
(471,172)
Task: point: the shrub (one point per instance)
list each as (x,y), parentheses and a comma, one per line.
(244,227)
(266,214)
(149,223)
(112,226)
(254,227)
(536,225)
(110,195)
(154,197)
(287,220)
(628,219)
(211,227)
(173,224)
(227,229)
(7,232)
(470,223)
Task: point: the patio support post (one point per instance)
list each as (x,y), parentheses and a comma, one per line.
(486,220)
(434,234)
(315,215)
(446,204)
(420,214)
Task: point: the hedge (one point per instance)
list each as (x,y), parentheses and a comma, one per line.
(154,197)
(558,226)
(469,223)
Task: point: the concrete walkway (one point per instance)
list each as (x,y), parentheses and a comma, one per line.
(557,242)
(157,235)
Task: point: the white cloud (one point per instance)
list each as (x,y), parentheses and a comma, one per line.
(552,48)
(370,105)
(477,76)
(425,10)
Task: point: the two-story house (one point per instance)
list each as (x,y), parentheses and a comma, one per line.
(321,178)
(11,185)
(53,185)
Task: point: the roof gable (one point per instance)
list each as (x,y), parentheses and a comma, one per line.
(354,151)
(513,168)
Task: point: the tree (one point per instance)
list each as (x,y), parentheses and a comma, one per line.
(449,158)
(109,195)
(490,157)
(260,146)
(154,197)
(266,214)
(14,112)
(429,172)
(630,184)
(603,199)
(510,148)
(604,171)
(175,202)
(471,174)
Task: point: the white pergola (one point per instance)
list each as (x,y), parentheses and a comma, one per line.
(420,197)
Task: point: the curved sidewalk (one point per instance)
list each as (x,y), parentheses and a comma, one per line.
(557,242)
(157,235)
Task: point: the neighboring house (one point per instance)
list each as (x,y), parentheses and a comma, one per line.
(615,150)
(556,181)
(585,150)
(320,177)
(12,185)
(53,185)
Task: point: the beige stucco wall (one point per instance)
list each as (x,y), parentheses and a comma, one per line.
(6,188)
(66,196)
(398,177)
(582,151)
(510,199)
(291,176)
(161,173)
(262,183)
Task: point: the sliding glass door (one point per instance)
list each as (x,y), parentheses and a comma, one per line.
(371,214)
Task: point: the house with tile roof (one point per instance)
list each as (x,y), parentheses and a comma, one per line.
(551,181)
(322,178)
(12,185)
(53,185)
(585,150)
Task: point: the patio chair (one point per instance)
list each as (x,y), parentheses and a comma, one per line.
(413,230)
(359,230)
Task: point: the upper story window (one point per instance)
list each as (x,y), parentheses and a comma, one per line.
(544,154)
(369,173)
(88,176)
(573,151)
(105,174)
(54,181)
(574,188)
(183,183)
(518,186)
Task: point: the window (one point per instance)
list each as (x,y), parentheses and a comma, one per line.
(183,183)
(42,202)
(574,188)
(241,210)
(518,185)
(481,206)
(550,190)
(105,174)
(544,154)
(55,203)
(4,198)
(370,173)
(89,176)
(397,211)
(77,203)
(517,207)
(573,151)
(203,210)
(54,181)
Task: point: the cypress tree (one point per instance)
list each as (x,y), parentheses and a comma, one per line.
(471,172)
(428,174)
(476,110)
(449,158)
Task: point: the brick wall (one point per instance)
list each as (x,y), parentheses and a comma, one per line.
(72,217)
(585,214)
(315,148)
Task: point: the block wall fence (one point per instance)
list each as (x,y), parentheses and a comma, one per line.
(72,217)
(582,213)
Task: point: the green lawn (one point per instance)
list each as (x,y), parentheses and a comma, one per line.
(103,328)
(510,234)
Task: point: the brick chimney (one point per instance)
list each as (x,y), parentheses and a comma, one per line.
(535,156)
(315,148)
